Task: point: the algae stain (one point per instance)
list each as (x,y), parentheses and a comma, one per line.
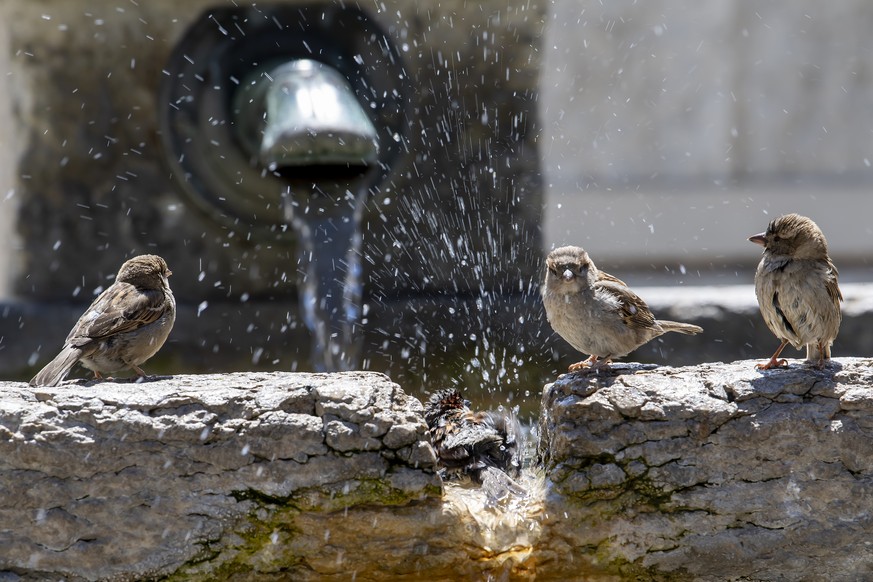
(266,539)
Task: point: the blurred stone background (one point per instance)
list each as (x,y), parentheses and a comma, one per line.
(672,132)
(658,135)
(88,183)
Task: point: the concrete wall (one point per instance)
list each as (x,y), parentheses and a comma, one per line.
(672,131)
(731,112)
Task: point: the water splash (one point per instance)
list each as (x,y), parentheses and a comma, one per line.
(329,271)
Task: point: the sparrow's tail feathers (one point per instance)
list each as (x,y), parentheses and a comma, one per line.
(686,328)
(55,371)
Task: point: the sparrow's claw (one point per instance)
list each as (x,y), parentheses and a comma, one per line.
(602,364)
(592,363)
(820,363)
(773,363)
(824,354)
(589,363)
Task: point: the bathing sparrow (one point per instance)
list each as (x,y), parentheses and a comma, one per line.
(125,326)
(470,443)
(597,313)
(797,290)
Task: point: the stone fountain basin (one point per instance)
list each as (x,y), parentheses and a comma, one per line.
(696,473)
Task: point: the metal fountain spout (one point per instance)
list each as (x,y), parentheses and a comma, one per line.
(304,113)
(293,117)
(281,121)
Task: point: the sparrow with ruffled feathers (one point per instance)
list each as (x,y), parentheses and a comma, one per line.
(470,443)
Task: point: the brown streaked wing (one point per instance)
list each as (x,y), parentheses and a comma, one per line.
(634,310)
(121,309)
(832,285)
(603,276)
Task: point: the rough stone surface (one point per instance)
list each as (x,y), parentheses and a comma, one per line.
(710,472)
(713,472)
(202,475)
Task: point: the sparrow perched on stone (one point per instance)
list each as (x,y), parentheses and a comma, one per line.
(797,290)
(125,326)
(471,443)
(597,313)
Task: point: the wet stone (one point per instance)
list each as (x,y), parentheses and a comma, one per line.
(605,475)
(778,481)
(401,435)
(346,436)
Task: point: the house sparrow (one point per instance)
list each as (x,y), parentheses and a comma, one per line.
(471,443)
(796,286)
(125,326)
(595,312)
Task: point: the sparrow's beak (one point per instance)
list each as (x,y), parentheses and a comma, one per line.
(758,239)
(567,275)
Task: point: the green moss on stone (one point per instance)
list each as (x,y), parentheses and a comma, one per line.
(636,571)
(650,493)
(267,532)
(640,488)
(603,560)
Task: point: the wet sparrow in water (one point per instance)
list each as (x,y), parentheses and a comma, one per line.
(596,313)
(470,443)
(796,285)
(125,326)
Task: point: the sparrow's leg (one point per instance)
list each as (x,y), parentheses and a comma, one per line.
(589,363)
(592,363)
(602,364)
(775,362)
(818,354)
(138,370)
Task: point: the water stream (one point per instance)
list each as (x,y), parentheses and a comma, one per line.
(329,274)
